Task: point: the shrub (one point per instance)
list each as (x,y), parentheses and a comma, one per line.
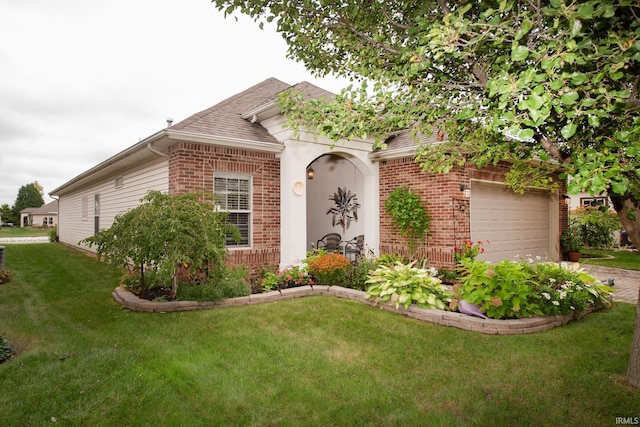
(224,283)
(511,289)
(5,349)
(403,284)
(53,234)
(566,289)
(290,277)
(572,239)
(356,276)
(328,268)
(503,290)
(5,276)
(596,226)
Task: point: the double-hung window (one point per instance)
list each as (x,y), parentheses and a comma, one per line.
(233,195)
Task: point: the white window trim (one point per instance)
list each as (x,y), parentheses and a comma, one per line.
(249,177)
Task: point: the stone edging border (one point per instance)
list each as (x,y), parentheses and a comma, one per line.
(439,317)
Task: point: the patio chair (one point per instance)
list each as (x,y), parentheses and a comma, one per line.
(354,248)
(330,242)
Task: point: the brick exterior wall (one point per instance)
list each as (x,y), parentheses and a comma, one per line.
(441,192)
(193,166)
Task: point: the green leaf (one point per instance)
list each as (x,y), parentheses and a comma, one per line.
(568,130)
(520,53)
(569,98)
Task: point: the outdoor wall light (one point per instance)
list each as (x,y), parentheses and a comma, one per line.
(465,190)
(566,199)
(310,173)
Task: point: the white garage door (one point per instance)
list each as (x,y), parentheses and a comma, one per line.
(513,224)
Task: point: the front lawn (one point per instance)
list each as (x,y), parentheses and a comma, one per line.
(617,259)
(84,360)
(24,231)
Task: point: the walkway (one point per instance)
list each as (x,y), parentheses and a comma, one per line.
(33,239)
(627,282)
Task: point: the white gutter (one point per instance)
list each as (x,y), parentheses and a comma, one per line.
(225,141)
(392,154)
(111,160)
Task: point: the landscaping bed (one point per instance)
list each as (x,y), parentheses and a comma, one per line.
(438,317)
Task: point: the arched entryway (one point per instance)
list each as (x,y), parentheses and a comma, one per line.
(333,173)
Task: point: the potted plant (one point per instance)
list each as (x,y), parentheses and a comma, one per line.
(572,244)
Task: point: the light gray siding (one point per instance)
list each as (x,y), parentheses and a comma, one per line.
(136,183)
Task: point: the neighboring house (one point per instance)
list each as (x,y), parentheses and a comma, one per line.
(243,151)
(44,216)
(586,200)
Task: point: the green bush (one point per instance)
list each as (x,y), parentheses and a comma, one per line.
(566,289)
(404,284)
(356,276)
(224,283)
(5,349)
(503,289)
(53,234)
(596,226)
(290,277)
(511,289)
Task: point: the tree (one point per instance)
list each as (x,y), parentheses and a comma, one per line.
(29,196)
(166,233)
(538,83)
(6,213)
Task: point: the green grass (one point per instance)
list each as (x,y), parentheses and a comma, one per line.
(24,231)
(621,259)
(84,360)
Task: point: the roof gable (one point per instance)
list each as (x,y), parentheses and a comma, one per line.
(225,118)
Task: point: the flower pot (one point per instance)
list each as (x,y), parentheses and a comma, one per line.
(573,256)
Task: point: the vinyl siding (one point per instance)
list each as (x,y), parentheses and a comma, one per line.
(72,228)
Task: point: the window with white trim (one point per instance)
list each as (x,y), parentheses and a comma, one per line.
(233,195)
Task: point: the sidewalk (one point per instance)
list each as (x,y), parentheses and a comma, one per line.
(627,282)
(35,239)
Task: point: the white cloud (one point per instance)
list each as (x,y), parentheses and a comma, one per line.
(83,80)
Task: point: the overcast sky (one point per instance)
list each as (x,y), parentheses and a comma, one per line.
(81,80)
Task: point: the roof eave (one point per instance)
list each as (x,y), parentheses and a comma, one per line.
(224,141)
(142,145)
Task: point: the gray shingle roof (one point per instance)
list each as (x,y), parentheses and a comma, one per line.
(48,209)
(225,118)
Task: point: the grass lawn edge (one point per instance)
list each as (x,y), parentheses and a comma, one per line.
(439,317)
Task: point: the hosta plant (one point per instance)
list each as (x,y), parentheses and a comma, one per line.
(404,284)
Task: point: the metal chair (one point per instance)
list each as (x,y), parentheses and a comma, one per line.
(330,242)
(354,248)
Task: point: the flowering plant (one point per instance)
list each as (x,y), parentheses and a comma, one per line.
(468,250)
(289,277)
(328,268)
(514,289)
(564,289)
